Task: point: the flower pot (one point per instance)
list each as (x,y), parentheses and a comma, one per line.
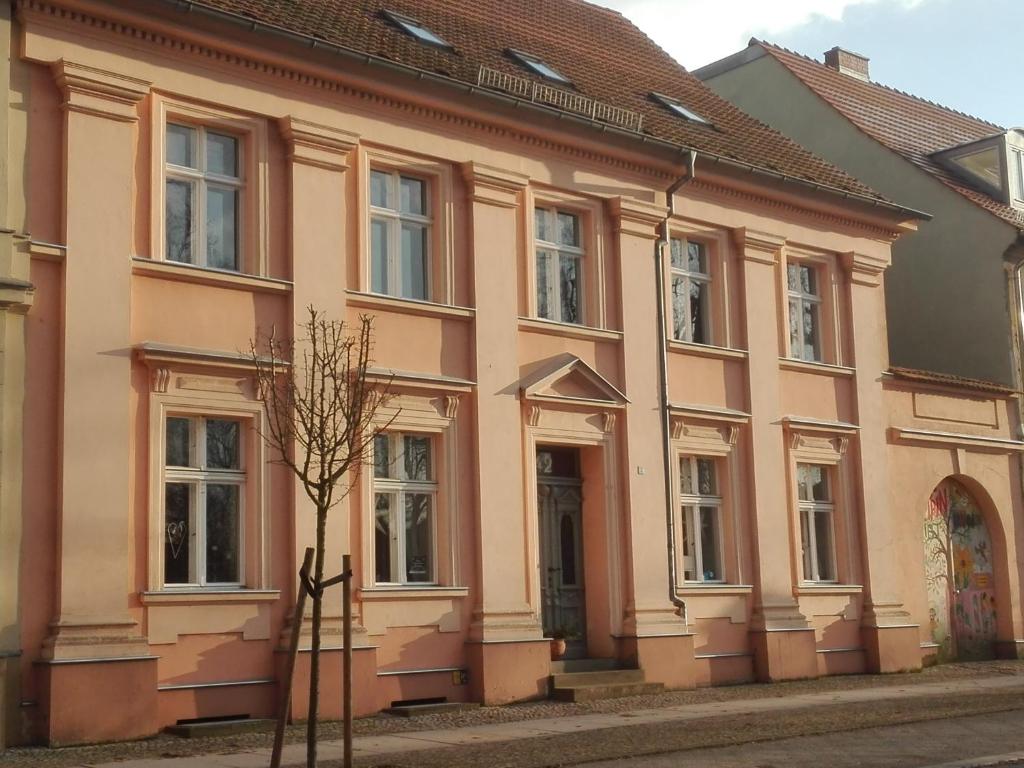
(557,648)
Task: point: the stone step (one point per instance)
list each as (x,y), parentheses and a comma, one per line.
(605,677)
(435,708)
(220,727)
(582,693)
(583,665)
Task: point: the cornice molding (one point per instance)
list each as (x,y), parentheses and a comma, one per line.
(725,191)
(956,440)
(317,145)
(50,13)
(96,92)
(182,48)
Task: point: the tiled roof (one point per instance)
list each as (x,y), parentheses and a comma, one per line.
(604,55)
(911,126)
(948,379)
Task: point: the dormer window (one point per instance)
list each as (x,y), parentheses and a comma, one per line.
(538,67)
(983,165)
(678,109)
(994,164)
(416,30)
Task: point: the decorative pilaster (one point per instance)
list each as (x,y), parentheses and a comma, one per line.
(16,295)
(95,641)
(508,658)
(95,529)
(890,640)
(782,639)
(654,635)
(318,158)
(503,611)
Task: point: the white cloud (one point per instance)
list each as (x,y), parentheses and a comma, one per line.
(697,32)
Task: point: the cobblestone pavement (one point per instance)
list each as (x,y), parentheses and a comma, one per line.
(691,744)
(981,741)
(153,750)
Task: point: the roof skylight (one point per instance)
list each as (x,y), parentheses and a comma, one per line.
(414,29)
(678,108)
(538,67)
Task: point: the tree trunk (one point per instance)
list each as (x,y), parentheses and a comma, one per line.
(314,653)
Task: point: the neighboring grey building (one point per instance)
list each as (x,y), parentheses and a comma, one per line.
(953,292)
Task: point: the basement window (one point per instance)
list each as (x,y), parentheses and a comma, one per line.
(415,29)
(677,108)
(538,67)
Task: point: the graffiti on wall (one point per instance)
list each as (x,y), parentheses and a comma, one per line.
(959,575)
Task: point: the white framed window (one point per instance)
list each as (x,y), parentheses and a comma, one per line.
(559,265)
(691,291)
(817,522)
(805,301)
(400,222)
(701,507)
(203,186)
(204,482)
(404,503)
(1017,182)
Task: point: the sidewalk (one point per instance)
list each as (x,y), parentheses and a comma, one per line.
(417,741)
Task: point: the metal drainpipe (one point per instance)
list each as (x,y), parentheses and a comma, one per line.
(666,427)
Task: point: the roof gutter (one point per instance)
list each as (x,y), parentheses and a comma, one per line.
(191,6)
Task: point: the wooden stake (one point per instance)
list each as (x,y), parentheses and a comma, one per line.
(346,670)
(285,697)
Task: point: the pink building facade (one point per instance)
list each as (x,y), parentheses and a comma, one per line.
(190,183)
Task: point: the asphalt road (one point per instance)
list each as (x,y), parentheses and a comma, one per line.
(982,740)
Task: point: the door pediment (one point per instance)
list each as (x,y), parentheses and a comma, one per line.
(568,379)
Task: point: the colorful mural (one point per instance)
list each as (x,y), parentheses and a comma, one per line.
(959,575)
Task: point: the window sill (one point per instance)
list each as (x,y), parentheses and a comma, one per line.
(827,588)
(569,330)
(408,306)
(200,596)
(707,350)
(189,273)
(405,592)
(826,369)
(694,589)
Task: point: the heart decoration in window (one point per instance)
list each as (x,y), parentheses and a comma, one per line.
(176,533)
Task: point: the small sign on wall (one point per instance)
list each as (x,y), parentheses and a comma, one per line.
(460,677)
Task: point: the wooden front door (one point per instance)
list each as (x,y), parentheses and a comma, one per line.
(959,576)
(563,599)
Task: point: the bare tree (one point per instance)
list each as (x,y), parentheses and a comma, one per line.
(323,409)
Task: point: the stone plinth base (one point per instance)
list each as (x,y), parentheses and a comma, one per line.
(666,659)
(1009,649)
(504,672)
(784,654)
(364,683)
(86,701)
(892,649)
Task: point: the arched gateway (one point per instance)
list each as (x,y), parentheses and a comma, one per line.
(959,578)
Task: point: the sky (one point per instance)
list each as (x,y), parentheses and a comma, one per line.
(964,54)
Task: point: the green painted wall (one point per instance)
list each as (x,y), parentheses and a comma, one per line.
(946,292)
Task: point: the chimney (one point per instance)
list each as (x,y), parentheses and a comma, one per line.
(848,62)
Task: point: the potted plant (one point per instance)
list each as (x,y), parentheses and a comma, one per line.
(557,644)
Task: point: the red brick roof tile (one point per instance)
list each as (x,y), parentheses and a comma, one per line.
(908,125)
(605,56)
(948,379)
